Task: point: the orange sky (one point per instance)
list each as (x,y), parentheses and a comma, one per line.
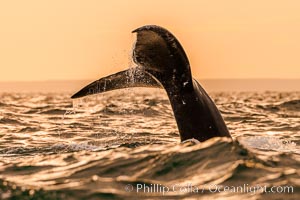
(72,39)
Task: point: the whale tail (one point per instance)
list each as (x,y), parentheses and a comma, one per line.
(133,77)
(162,63)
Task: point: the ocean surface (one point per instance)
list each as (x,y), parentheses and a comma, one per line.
(125,145)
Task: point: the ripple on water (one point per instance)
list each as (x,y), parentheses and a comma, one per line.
(94,150)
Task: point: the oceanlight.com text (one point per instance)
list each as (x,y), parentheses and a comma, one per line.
(206,188)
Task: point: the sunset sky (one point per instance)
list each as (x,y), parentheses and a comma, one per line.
(73,40)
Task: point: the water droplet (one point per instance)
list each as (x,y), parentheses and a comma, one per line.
(95,177)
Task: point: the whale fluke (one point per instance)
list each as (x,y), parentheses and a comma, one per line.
(133,77)
(162,63)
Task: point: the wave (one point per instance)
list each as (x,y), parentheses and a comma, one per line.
(94,151)
(6,120)
(55,111)
(108,173)
(29,129)
(293,105)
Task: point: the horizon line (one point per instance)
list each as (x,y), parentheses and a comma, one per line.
(257,84)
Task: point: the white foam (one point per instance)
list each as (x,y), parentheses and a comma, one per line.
(193,140)
(75,146)
(270,143)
